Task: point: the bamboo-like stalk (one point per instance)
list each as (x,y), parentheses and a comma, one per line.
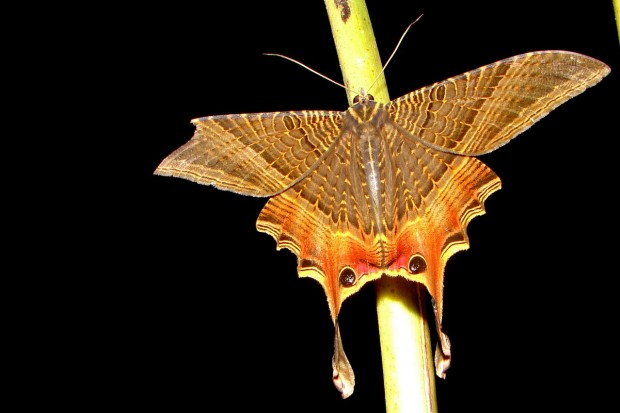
(408,371)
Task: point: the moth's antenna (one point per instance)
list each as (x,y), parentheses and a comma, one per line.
(340,84)
(310,69)
(394,52)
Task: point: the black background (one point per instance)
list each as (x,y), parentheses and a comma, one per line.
(200,310)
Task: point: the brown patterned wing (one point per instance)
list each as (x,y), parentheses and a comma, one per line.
(483,109)
(254,154)
(436,194)
(327,222)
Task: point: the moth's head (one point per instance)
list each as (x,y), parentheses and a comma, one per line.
(363,97)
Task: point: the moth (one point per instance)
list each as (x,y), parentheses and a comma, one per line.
(381,189)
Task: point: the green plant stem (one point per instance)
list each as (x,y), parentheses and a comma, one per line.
(406,352)
(617,14)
